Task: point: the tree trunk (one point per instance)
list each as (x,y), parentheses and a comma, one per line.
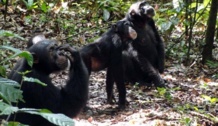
(210,32)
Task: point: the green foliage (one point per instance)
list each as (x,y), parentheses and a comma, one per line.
(164,93)
(58,119)
(186,121)
(24,54)
(171,20)
(34,80)
(210,100)
(212,64)
(4,33)
(30,4)
(44,7)
(9,91)
(106,8)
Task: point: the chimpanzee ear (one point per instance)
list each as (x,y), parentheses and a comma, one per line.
(114,27)
(35,58)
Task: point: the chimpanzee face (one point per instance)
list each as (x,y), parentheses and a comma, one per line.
(141,8)
(146,9)
(125,30)
(48,56)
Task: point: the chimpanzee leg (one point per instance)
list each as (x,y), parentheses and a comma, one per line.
(150,72)
(117,71)
(109,86)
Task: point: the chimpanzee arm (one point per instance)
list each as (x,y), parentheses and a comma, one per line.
(160,47)
(150,71)
(75,93)
(116,69)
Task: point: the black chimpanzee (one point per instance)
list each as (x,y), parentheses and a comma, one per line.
(140,14)
(106,52)
(50,58)
(33,40)
(143,59)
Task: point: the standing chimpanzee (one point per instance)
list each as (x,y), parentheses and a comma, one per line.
(106,52)
(143,59)
(50,58)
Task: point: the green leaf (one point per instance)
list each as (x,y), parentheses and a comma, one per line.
(11,48)
(106,15)
(206,97)
(2,71)
(25,54)
(4,33)
(7,109)
(28,56)
(44,7)
(213,100)
(58,119)
(34,80)
(30,3)
(166,26)
(9,90)
(161,91)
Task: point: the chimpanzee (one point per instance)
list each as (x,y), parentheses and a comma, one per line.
(50,58)
(33,40)
(143,59)
(148,42)
(106,52)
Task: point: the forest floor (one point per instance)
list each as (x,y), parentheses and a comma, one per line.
(186,101)
(190,98)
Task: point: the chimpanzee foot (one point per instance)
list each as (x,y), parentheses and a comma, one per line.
(121,107)
(111,100)
(160,83)
(88,110)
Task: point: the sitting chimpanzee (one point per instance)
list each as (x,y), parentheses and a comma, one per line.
(140,14)
(33,40)
(143,59)
(50,58)
(106,52)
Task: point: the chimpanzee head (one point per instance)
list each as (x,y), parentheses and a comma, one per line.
(48,57)
(142,10)
(35,39)
(125,30)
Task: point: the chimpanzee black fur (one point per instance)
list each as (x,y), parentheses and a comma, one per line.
(33,40)
(147,50)
(106,52)
(50,58)
(143,59)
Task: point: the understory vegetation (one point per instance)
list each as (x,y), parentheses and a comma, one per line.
(191,73)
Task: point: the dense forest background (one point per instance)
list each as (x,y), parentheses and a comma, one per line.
(189,29)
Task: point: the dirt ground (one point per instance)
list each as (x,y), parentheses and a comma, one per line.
(182,104)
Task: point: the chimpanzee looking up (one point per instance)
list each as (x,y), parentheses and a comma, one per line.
(148,45)
(50,58)
(106,52)
(143,59)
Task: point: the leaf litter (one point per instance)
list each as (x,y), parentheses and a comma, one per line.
(190,99)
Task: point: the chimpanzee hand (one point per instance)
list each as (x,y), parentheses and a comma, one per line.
(74,54)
